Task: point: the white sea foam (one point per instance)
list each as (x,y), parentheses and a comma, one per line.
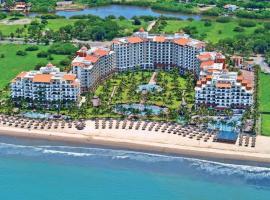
(210,167)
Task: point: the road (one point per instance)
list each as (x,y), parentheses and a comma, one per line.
(260,60)
(150,26)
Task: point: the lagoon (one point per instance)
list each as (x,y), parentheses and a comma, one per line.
(126,11)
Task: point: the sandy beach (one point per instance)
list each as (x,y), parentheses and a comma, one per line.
(147,140)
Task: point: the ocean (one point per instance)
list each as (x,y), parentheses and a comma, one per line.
(44,170)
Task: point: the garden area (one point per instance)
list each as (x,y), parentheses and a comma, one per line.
(124,89)
(53,27)
(264,102)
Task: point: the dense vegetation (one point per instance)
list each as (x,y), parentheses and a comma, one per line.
(89,27)
(125,85)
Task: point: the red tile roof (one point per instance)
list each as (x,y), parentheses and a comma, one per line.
(42,78)
(91,58)
(21,75)
(69,77)
(182,41)
(223,85)
(207,64)
(134,40)
(159,39)
(101,52)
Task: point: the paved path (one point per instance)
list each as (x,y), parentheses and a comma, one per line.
(260,60)
(150,26)
(153,78)
(113,92)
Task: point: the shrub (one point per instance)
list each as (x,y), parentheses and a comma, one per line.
(137,21)
(207,23)
(223,19)
(39,65)
(42,54)
(245,23)
(267,25)
(3,15)
(31,48)
(65,62)
(62,49)
(21,53)
(238,29)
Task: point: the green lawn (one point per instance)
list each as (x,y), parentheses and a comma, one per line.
(12,64)
(264,102)
(265,120)
(264,94)
(212,32)
(55,24)
(127,27)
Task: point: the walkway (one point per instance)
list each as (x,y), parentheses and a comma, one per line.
(153,78)
(151,25)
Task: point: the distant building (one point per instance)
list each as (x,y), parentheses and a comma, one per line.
(230,7)
(47,87)
(63,3)
(184,1)
(237,61)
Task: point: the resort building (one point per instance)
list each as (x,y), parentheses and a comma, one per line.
(92,66)
(157,52)
(47,87)
(141,50)
(218,88)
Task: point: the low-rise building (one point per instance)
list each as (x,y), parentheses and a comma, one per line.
(47,87)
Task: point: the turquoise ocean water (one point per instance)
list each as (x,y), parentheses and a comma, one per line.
(37,170)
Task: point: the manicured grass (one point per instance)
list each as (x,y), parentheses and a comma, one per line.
(7,29)
(264,102)
(56,24)
(127,27)
(12,64)
(212,32)
(264,93)
(265,120)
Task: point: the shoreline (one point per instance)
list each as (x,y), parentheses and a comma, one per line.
(128,144)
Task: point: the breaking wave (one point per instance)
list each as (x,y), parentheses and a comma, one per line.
(249,173)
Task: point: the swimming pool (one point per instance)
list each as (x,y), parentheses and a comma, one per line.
(140,109)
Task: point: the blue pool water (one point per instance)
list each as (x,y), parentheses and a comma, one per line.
(43,170)
(140,107)
(149,88)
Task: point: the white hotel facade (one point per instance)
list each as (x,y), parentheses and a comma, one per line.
(216,86)
(219,88)
(140,50)
(47,87)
